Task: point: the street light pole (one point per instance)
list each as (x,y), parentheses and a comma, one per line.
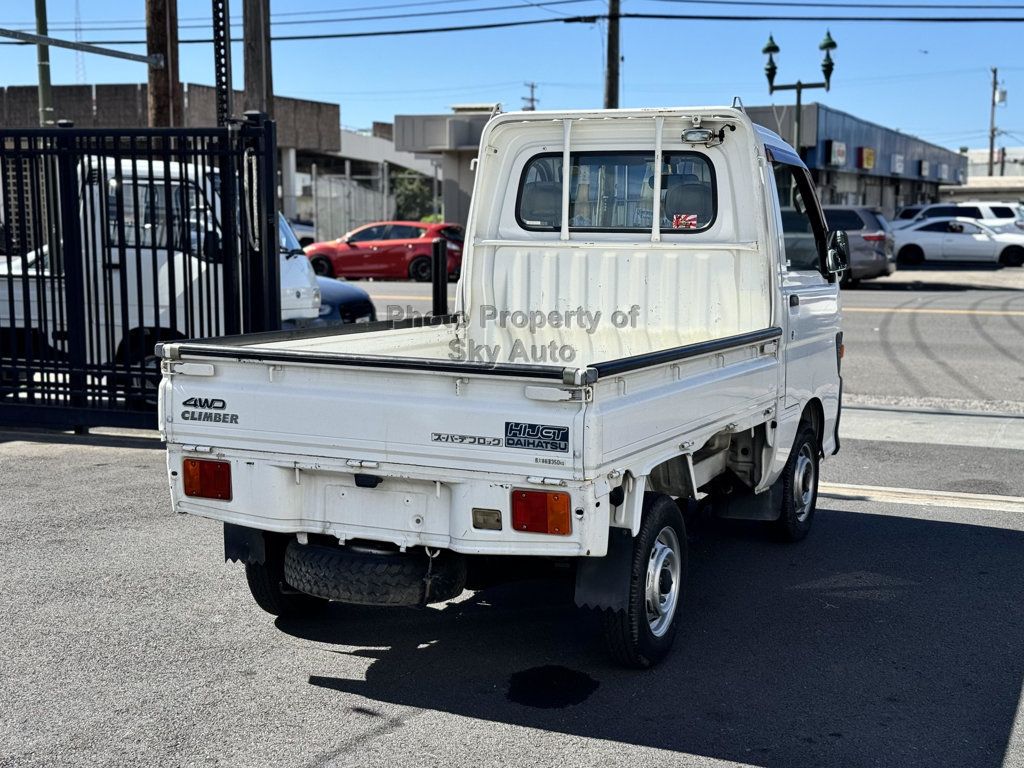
(771,69)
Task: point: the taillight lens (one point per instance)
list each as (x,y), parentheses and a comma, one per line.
(875,237)
(207,479)
(541,512)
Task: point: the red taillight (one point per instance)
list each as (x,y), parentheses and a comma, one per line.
(541,512)
(875,237)
(207,479)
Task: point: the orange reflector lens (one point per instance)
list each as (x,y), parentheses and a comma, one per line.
(207,479)
(842,351)
(541,512)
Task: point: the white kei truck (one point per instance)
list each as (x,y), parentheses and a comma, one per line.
(647,323)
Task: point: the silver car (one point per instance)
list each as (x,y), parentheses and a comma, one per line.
(871,241)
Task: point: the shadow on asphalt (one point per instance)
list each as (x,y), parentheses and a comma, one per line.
(8,435)
(930,281)
(877,641)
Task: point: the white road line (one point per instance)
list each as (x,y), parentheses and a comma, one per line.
(880,494)
(976,431)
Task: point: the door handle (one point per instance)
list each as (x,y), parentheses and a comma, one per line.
(794,300)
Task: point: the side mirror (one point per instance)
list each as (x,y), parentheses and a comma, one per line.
(837,259)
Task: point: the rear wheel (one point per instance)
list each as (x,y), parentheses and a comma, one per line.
(799,486)
(269,589)
(322,266)
(420,269)
(910,255)
(1012,256)
(642,634)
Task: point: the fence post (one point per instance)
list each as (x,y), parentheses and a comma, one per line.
(74,269)
(439,272)
(265,273)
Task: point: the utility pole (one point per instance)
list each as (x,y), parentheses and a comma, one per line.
(611,72)
(530,102)
(163,94)
(259,81)
(992,123)
(43,57)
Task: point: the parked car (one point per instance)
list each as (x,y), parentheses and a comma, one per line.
(343,302)
(1001,217)
(305,230)
(958,239)
(395,461)
(337,301)
(393,250)
(872,252)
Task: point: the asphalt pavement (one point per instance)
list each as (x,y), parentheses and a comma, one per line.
(892,636)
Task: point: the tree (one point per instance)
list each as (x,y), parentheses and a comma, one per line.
(414,197)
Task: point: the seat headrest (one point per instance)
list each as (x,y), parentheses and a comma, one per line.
(542,202)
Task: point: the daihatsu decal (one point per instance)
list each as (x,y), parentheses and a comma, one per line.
(536,437)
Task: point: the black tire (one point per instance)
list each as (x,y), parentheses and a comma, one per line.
(421,270)
(269,589)
(323,266)
(633,639)
(1012,256)
(848,280)
(799,486)
(910,256)
(379,578)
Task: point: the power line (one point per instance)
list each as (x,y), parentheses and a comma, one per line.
(844,6)
(604,17)
(379,17)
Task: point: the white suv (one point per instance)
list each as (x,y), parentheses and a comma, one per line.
(1002,217)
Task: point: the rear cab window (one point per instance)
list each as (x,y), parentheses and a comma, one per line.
(614,192)
(1003,212)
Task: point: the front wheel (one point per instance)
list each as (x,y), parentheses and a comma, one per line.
(322,266)
(642,634)
(799,486)
(1012,256)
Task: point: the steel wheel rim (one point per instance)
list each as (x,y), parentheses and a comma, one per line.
(804,483)
(662,585)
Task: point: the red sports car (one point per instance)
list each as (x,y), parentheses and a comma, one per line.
(387,249)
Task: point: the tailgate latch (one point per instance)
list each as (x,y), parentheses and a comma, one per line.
(558,395)
(190,369)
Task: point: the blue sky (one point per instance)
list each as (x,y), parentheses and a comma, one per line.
(931,80)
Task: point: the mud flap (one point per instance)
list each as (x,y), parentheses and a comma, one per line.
(603,582)
(245,545)
(751,506)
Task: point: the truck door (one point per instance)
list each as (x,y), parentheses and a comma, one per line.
(810,299)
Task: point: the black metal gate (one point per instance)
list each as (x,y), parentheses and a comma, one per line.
(114,240)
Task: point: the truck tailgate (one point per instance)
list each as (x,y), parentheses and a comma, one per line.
(415,418)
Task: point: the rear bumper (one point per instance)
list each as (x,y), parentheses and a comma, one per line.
(410,507)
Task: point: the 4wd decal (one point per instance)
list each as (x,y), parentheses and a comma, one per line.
(208,410)
(444,437)
(536,437)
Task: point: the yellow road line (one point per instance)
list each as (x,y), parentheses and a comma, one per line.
(929,311)
(403,298)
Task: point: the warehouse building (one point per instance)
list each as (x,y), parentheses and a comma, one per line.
(857,162)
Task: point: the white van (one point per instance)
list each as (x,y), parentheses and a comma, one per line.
(148,276)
